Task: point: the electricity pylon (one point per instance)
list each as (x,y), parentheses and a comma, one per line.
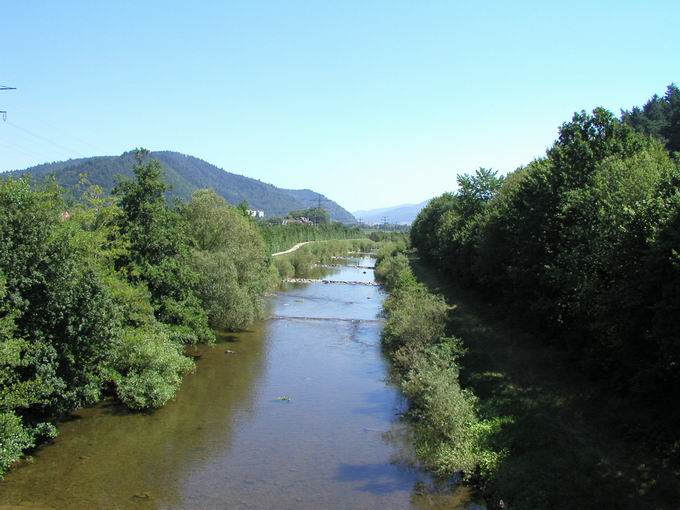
(4,112)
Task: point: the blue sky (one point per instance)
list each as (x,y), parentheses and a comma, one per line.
(371,103)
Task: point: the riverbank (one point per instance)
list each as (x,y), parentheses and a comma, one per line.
(294,248)
(450,437)
(104,301)
(568,443)
(292,414)
(306,260)
(280,238)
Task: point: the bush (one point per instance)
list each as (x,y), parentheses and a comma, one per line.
(284,267)
(150,367)
(14,439)
(448,432)
(229,305)
(229,259)
(393,270)
(449,435)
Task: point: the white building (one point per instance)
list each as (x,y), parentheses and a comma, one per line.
(256,213)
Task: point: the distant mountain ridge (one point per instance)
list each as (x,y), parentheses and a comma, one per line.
(404,214)
(185,174)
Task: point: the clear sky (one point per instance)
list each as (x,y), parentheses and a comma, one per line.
(373,103)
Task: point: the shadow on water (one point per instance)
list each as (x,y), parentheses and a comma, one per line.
(374,403)
(227,338)
(115,408)
(379,478)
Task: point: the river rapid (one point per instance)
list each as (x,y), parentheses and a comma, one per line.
(296,413)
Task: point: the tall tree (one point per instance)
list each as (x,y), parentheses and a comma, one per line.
(659,118)
(159,251)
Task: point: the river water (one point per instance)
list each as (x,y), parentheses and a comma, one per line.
(294,414)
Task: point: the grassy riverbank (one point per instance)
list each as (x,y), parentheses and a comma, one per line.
(279,238)
(557,439)
(450,435)
(303,262)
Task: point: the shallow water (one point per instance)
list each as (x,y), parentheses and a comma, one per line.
(294,414)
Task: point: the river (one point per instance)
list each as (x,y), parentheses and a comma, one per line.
(296,413)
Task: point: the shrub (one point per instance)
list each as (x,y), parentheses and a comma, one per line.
(449,435)
(150,367)
(14,439)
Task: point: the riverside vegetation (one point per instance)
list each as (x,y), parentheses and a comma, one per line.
(582,243)
(281,237)
(581,248)
(304,262)
(449,435)
(100,297)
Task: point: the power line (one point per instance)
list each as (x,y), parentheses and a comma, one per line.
(4,112)
(32,152)
(33,134)
(319,200)
(45,139)
(43,126)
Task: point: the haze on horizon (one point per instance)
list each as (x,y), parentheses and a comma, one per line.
(372,104)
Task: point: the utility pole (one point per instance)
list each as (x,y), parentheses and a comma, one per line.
(318,206)
(384,222)
(4,112)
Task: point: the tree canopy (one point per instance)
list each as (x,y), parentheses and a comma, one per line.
(582,243)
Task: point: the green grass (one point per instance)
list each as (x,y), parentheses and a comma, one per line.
(302,263)
(570,442)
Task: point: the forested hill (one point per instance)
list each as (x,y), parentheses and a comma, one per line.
(186,174)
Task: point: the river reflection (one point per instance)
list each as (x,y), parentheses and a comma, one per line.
(295,414)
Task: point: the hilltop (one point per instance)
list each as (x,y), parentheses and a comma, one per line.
(186,174)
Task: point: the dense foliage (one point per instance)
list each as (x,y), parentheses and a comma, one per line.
(279,237)
(380,236)
(158,255)
(56,320)
(102,299)
(317,215)
(659,117)
(582,243)
(229,257)
(449,435)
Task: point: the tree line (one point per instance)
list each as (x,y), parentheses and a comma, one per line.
(278,237)
(582,244)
